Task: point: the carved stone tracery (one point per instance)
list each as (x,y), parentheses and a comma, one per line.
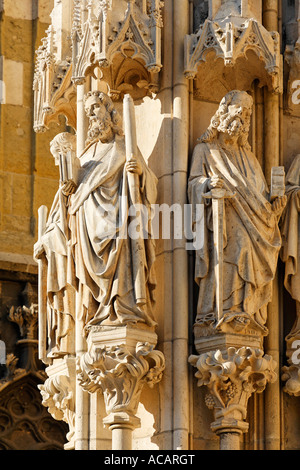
(25,424)
(230,39)
(110,36)
(117,44)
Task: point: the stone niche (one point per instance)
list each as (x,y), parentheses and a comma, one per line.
(230,48)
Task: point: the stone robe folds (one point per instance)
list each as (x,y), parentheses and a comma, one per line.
(102,248)
(60,277)
(251,235)
(290,230)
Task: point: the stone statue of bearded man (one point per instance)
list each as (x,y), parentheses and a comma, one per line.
(99,219)
(251,236)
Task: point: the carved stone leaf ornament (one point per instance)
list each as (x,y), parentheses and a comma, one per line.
(231,377)
(58,393)
(291,375)
(27,319)
(291,372)
(120,375)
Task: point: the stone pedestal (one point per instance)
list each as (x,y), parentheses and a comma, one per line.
(112,337)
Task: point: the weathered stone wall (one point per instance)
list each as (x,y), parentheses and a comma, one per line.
(28,175)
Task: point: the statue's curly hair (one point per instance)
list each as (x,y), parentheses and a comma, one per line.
(212,131)
(64,142)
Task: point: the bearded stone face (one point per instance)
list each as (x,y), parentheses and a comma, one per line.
(100,123)
(98,130)
(235,121)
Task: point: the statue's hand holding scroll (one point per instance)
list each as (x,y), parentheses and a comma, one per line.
(134,166)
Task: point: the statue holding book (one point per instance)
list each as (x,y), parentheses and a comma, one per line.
(110,275)
(53,250)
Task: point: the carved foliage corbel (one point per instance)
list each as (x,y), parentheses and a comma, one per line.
(231,377)
(58,393)
(120,374)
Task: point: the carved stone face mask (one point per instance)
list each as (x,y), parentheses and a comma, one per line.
(99,127)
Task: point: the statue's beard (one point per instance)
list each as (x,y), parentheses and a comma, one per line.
(232,125)
(99,130)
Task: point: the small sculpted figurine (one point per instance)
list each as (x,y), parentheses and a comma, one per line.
(250,240)
(91,228)
(54,249)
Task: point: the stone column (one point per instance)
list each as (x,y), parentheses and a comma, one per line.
(119,362)
(272,159)
(180,257)
(82,397)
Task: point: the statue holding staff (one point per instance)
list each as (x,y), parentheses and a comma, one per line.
(53,252)
(90,257)
(99,217)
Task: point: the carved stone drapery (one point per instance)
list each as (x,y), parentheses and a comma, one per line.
(105,305)
(290,255)
(234,290)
